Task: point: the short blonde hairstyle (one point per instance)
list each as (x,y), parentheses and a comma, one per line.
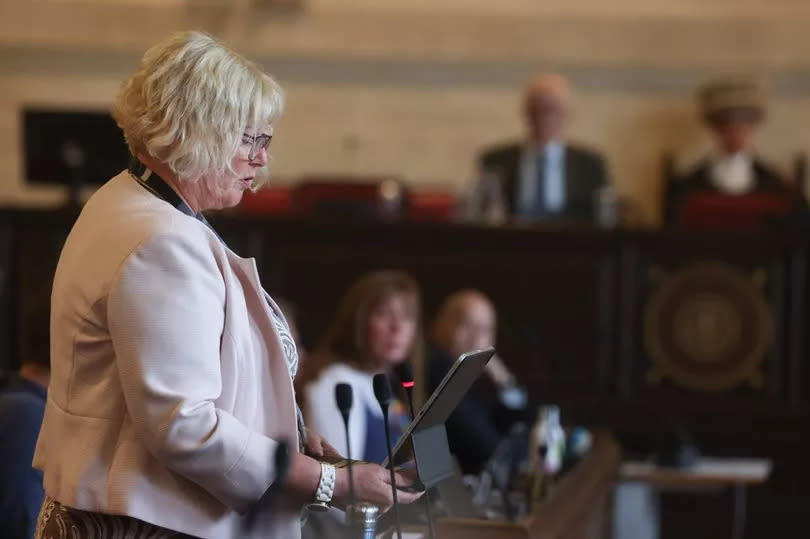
(190,102)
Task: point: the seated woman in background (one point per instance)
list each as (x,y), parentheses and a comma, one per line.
(466,321)
(376,329)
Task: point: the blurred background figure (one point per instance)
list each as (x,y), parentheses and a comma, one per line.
(733,110)
(376,329)
(466,321)
(541,177)
(22,405)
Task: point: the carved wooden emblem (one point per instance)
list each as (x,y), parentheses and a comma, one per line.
(707,327)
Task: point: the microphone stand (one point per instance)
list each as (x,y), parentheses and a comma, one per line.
(382,391)
(343,398)
(362,517)
(406,380)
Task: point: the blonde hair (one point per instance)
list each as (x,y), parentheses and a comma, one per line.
(190,102)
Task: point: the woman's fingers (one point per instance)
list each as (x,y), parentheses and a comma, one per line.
(329,451)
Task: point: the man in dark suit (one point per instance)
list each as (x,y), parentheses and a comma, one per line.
(466,321)
(542,177)
(733,109)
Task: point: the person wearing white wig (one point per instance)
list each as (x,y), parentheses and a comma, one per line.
(171,387)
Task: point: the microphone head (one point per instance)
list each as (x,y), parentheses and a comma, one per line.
(343,398)
(382,390)
(405,373)
(282,461)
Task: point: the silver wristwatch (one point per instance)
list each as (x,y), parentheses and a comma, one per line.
(325,490)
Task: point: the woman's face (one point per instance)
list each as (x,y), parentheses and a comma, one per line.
(226,190)
(390,331)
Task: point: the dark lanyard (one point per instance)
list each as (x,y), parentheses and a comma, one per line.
(154,183)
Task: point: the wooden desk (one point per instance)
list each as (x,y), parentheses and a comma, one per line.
(580,507)
(736,474)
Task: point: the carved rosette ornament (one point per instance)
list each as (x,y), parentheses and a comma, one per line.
(708,327)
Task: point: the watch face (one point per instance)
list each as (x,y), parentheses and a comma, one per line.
(318,507)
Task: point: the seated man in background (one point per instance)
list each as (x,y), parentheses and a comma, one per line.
(732,110)
(466,321)
(22,405)
(541,177)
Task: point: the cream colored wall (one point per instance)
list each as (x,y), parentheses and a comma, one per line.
(418,87)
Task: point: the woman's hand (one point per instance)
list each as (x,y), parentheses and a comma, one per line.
(372,483)
(320,449)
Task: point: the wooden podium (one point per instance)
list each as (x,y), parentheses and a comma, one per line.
(579,508)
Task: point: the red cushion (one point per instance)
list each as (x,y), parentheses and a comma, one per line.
(274,200)
(431,206)
(357,197)
(713,210)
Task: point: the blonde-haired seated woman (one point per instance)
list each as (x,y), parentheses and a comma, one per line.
(376,329)
(171,367)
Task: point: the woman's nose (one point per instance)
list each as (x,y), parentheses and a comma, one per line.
(261,158)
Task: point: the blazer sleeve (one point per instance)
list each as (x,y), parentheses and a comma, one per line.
(603,173)
(165,312)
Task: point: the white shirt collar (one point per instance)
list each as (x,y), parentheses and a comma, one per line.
(733,174)
(552,148)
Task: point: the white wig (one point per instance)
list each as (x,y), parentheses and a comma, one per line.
(190,102)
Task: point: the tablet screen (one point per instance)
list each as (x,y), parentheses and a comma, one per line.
(458,380)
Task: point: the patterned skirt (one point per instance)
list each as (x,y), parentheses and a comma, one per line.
(57,521)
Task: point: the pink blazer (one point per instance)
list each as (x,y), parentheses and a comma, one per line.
(169,387)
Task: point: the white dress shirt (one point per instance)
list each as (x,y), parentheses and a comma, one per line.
(322,413)
(733,174)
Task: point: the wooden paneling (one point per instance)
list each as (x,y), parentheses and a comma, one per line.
(571,304)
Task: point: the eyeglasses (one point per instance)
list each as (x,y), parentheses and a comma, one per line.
(257,143)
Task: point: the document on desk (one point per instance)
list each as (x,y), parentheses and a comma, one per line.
(732,469)
(751,469)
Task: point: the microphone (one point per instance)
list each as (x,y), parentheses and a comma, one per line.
(281,462)
(405,373)
(343,399)
(382,392)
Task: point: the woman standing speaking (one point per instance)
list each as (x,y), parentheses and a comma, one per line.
(172,369)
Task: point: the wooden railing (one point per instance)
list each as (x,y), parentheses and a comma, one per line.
(595,321)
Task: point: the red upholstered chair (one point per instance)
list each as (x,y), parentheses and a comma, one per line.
(350,197)
(271,200)
(431,206)
(712,210)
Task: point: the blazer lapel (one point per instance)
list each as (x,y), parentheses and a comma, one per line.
(510,170)
(572,178)
(250,276)
(247,266)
